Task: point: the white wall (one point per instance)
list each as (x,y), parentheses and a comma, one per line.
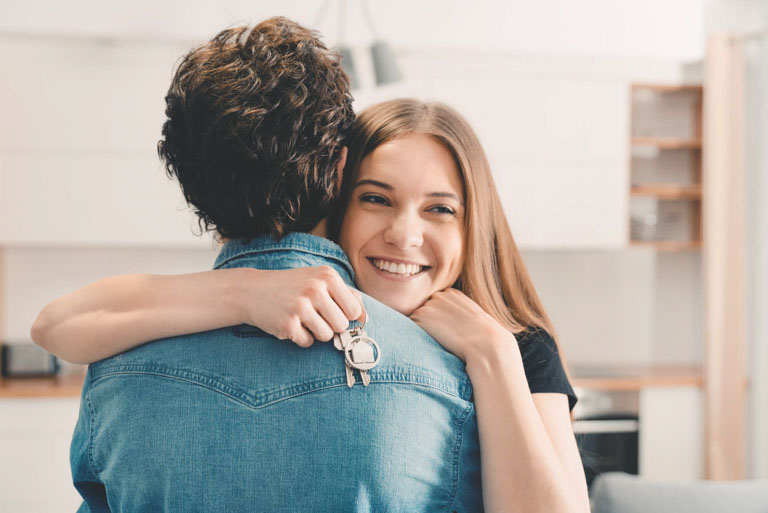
(649,28)
(757,252)
(757,255)
(31,277)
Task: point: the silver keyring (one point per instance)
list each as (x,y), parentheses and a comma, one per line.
(362,366)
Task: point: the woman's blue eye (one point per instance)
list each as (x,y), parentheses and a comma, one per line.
(375,199)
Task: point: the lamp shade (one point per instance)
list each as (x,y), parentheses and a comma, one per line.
(384,63)
(348,64)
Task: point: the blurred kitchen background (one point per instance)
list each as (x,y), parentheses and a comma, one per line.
(628,140)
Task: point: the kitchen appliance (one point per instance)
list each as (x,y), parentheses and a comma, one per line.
(24,359)
(607,428)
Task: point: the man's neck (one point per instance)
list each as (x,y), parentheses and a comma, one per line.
(321,230)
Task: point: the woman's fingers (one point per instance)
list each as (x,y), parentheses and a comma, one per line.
(363,317)
(348,299)
(313,321)
(332,314)
(322,305)
(302,337)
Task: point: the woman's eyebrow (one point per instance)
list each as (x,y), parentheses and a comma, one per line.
(367,181)
(446,195)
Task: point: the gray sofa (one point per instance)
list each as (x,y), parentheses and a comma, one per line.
(617,492)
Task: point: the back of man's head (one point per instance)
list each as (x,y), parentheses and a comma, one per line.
(257,119)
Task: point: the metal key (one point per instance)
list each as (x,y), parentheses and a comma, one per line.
(350,375)
(340,340)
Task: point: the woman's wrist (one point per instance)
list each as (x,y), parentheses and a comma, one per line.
(492,353)
(239,290)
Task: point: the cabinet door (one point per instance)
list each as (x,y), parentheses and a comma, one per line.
(92,199)
(671,434)
(35,435)
(557,148)
(78,133)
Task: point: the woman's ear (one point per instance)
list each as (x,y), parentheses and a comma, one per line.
(340,167)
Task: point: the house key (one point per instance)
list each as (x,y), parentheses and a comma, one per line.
(361,352)
(339,341)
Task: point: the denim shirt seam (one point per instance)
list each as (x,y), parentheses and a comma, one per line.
(312,245)
(457,445)
(91,428)
(295,246)
(276,395)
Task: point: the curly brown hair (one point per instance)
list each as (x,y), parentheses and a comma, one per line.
(256,122)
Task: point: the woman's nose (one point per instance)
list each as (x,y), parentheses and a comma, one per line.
(405,232)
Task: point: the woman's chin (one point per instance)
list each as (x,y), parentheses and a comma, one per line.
(397,303)
(405,310)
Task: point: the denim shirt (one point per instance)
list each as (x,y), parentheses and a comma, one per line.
(235,420)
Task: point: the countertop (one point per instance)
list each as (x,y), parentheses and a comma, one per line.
(57,386)
(615,377)
(635,377)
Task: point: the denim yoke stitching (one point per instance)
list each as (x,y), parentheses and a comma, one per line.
(294,246)
(457,444)
(92,429)
(273,396)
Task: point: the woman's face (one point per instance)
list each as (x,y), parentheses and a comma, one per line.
(404,227)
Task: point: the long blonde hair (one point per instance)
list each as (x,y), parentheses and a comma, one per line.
(493,274)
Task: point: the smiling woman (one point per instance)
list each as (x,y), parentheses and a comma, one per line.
(417,188)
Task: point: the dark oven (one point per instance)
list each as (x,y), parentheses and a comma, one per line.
(607,430)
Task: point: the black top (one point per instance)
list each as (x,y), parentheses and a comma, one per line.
(543,368)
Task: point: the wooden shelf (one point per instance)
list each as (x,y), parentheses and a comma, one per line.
(57,386)
(667,245)
(669,88)
(670,192)
(667,143)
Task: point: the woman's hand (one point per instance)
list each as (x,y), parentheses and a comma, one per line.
(300,304)
(460,325)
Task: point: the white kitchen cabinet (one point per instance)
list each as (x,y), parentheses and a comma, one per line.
(78,159)
(92,200)
(672,433)
(35,435)
(557,151)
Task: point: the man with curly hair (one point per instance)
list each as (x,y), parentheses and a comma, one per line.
(233,419)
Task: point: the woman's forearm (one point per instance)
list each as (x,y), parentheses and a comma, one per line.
(118,313)
(521,469)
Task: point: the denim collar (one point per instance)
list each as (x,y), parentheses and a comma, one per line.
(302,242)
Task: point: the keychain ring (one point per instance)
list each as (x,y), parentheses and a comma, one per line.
(362,366)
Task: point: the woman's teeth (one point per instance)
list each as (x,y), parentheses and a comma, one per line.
(399,269)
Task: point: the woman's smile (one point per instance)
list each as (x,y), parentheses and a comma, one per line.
(397,269)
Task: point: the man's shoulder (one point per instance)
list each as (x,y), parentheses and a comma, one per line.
(245,357)
(407,349)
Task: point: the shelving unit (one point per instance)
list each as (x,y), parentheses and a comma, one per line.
(665,166)
(667,143)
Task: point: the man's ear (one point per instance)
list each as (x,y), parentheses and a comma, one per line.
(340,167)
